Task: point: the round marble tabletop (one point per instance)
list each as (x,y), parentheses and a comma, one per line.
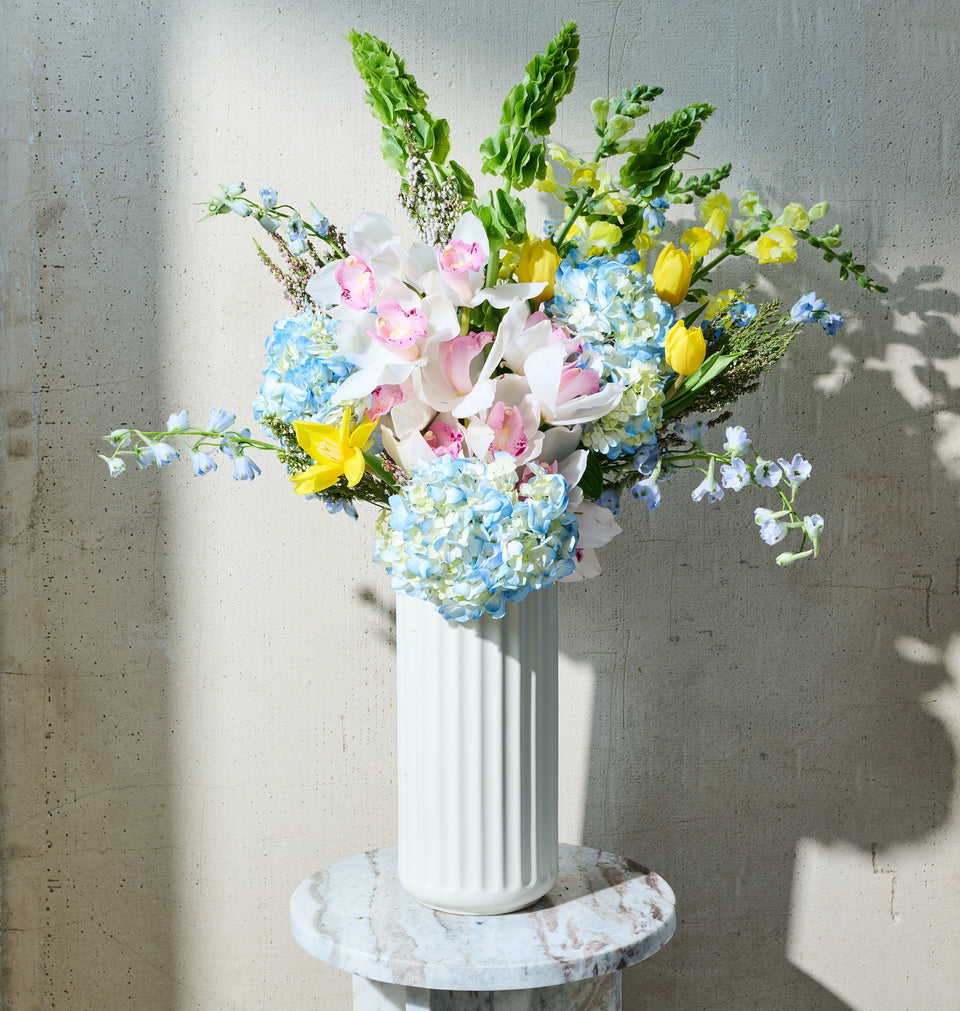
(604,913)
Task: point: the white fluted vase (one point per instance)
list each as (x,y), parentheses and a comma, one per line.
(477,755)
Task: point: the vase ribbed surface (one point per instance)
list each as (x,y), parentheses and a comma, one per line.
(477,755)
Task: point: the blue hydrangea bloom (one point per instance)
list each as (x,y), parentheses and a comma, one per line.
(467,537)
(612,306)
(304,369)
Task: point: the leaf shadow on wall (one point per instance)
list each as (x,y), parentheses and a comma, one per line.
(740,709)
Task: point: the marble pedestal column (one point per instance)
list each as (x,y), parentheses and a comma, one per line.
(564,952)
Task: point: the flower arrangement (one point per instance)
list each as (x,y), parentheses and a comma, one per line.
(495,393)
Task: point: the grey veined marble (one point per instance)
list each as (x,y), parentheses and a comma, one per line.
(604,913)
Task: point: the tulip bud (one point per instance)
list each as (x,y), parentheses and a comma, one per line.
(685,349)
(539,261)
(672,274)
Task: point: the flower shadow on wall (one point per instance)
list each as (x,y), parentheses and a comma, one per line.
(738,714)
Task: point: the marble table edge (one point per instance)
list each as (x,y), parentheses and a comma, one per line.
(562,950)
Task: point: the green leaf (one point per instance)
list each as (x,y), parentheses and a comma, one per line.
(592,480)
(708,371)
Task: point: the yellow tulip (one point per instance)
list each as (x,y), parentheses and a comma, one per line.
(338,452)
(539,261)
(685,349)
(672,273)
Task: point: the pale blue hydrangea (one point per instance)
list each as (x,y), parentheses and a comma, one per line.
(611,305)
(465,536)
(632,425)
(305,367)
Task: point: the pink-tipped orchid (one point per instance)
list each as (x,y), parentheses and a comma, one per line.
(356,282)
(511,425)
(444,439)
(383,399)
(567,398)
(458,257)
(399,329)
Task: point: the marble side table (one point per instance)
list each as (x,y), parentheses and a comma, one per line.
(564,952)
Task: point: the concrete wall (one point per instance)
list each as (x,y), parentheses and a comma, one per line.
(197,675)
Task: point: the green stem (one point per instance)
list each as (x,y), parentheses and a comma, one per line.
(574,214)
(702,271)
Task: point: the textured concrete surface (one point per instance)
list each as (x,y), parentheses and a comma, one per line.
(196,675)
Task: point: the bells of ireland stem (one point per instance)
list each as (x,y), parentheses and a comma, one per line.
(672,273)
(539,261)
(685,349)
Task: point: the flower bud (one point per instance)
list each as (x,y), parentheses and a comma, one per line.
(685,349)
(539,261)
(672,274)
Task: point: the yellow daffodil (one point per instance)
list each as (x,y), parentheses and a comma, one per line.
(539,261)
(672,273)
(338,452)
(685,349)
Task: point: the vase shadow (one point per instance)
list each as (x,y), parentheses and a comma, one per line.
(751,709)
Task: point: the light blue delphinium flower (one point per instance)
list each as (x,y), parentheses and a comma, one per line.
(115,463)
(795,471)
(691,433)
(741,313)
(831,323)
(319,222)
(202,463)
(647,491)
(178,422)
(610,499)
(244,469)
(163,453)
(708,486)
(653,216)
(737,443)
(268,197)
(766,473)
(813,527)
(220,421)
(735,475)
(771,529)
(808,308)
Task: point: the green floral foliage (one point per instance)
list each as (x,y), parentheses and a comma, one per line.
(531,108)
(649,170)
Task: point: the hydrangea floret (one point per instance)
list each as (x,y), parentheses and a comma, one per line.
(495,392)
(465,535)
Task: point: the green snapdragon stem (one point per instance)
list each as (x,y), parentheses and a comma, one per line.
(574,214)
(754,233)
